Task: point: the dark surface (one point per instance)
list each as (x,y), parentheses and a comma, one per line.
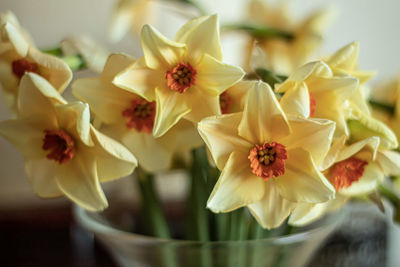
(50,237)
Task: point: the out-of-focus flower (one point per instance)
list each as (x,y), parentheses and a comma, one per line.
(63,153)
(18,55)
(93,54)
(284,56)
(185,77)
(232,100)
(268,160)
(129,15)
(130,118)
(314,91)
(354,170)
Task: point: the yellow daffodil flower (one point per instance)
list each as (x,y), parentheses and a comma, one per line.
(232,100)
(18,55)
(345,62)
(354,170)
(285,56)
(130,119)
(268,160)
(184,77)
(314,91)
(63,153)
(129,15)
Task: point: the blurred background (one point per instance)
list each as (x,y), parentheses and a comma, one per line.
(374,23)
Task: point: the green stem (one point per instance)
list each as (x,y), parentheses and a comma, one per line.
(269,77)
(382,106)
(74,62)
(56,51)
(259,31)
(151,206)
(196,5)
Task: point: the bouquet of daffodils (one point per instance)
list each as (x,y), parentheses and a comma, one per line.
(273,144)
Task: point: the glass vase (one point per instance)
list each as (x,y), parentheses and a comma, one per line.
(130,249)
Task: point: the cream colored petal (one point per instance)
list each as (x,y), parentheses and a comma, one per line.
(41,174)
(313,135)
(371,143)
(171,107)
(53,69)
(78,180)
(214,77)
(114,65)
(373,175)
(121,22)
(263,119)
(37,96)
(346,57)
(333,153)
(389,161)
(238,94)
(113,159)
(9,81)
(237,186)
(202,105)
(221,136)
(159,52)
(26,134)
(105,100)
(140,80)
(13,33)
(272,210)
(153,154)
(75,119)
(343,87)
(183,137)
(302,182)
(193,35)
(296,101)
(306,213)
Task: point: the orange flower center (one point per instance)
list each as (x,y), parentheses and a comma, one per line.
(268,160)
(20,66)
(60,144)
(346,172)
(313,105)
(181,77)
(140,115)
(225,102)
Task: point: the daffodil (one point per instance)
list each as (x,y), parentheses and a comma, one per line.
(314,91)
(268,160)
(18,55)
(232,99)
(184,77)
(354,170)
(93,54)
(345,62)
(130,118)
(284,56)
(129,15)
(63,153)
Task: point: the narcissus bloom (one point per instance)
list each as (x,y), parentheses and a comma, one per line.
(18,55)
(232,99)
(354,170)
(284,56)
(63,153)
(184,77)
(130,118)
(268,160)
(314,91)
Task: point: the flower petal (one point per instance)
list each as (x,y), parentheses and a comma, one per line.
(306,213)
(272,209)
(78,180)
(302,182)
(159,52)
(371,143)
(171,107)
(106,100)
(140,80)
(113,159)
(41,172)
(263,119)
(313,135)
(115,64)
(333,153)
(236,187)
(346,57)
(214,77)
(220,135)
(13,33)
(297,101)
(389,161)
(202,105)
(368,182)
(193,33)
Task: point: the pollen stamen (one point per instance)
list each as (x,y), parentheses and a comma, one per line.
(182,77)
(60,144)
(140,115)
(346,172)
(20,66)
